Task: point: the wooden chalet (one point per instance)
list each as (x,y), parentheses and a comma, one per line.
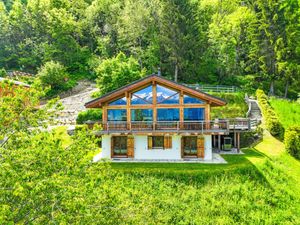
(156,118)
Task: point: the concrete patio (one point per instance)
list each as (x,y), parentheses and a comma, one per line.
(217,159)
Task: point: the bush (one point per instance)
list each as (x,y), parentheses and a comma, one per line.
(3,72)
(90,114)
(53,74)
(273,124)
(292,141)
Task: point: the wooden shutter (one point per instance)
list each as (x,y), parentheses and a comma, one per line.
(112,146)
(182,146)
(130,146)
(167,142)
(150,146)
(200,147)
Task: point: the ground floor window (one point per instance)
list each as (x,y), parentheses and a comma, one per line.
(119,145)
(159,142)
(189,145)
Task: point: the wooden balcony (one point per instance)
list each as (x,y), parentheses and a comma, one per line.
(201,127)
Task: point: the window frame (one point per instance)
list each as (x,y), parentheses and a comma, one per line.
(121,109)
(202,102)
(145,102)
(158,147)
(157,114)
(187,108)
(176,92)
(133,109)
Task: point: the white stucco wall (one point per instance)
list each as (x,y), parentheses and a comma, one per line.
(141,150)
(207,147)
(105,151)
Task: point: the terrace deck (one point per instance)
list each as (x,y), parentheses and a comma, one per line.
(224,126)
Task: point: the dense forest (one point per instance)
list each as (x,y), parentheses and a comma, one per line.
(251,44)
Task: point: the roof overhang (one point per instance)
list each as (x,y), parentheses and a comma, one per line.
(98,102)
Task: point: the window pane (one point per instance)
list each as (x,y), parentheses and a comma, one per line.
(164,95)
(142,97)
(141,115)
(191,100)
(194,114)
(120,101)
(116,115)
(120,145)
(158,141)
(190,146)
(171,100)
(167,114)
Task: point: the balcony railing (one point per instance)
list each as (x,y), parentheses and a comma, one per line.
(181,126)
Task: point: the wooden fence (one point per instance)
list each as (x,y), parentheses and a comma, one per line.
(214,88)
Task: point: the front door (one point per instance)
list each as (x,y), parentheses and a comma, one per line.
(189,146)
(119,146)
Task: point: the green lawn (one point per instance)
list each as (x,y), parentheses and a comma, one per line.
(260,187)
(287,111)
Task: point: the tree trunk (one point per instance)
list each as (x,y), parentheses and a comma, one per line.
(286,89)
(176,72)
(271,92)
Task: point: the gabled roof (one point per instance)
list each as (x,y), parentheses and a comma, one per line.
(213,100)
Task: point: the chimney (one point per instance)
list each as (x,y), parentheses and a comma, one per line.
(158,72)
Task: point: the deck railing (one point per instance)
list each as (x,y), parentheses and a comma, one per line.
(224,125)
(214,88)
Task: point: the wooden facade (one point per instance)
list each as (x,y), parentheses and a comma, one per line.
(166,129)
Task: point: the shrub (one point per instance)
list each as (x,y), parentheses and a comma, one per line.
(53,74)
(292,141)
(273,124)
(90,114)
(3,72)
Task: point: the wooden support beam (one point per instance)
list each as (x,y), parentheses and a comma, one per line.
(238,142)
(154,97)
(234,139)
(219,142)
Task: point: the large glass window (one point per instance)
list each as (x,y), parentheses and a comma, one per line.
(120,101)
(194,114)
(116,115)
(166,95)
(141,115)
(142,97)
(168,114)
(191,100)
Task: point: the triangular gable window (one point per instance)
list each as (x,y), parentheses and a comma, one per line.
(191,100)
(142,97)
(120,101)
(166,95)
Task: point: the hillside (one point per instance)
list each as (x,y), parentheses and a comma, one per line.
(287,111)
(235,107)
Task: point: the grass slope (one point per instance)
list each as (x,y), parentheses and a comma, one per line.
(259,187)
(287,111)
(235,107)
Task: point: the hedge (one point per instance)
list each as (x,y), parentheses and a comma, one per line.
(292,141)
(90,114)
(273,124)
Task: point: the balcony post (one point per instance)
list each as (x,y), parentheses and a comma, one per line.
(249,124)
